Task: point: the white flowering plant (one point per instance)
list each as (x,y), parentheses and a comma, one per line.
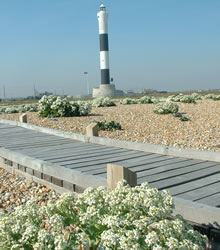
(125,218)
(126,101)
(10,109)
(183,98)
(166,108)
(103,102)
(145,100)
(53,106)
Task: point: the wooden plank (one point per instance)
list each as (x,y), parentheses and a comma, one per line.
(99,162)
(42,149)
(149,158)
(29,144)
(99,159)
(95,170)
(212,200)
(33,145)
(201,192)
(163,166)
(85,153)
(100,169)
(72,145)
(145,158)
(180,179)
(194,185)
(156,175)
(53,152)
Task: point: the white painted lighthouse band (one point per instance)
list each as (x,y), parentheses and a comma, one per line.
(103,38)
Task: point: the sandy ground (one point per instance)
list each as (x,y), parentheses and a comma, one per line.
(140,123)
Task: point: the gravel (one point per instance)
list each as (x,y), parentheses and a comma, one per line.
(16,190)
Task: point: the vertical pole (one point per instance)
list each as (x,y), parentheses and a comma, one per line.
(4,92)
(87,82)
(116,173)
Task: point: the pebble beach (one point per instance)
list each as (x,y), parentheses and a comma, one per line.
(139,123)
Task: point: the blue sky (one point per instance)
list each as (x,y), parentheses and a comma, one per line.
(159,44)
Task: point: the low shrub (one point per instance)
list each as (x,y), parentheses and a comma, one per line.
(111,126)
(216,98)
(181,116)
(182,98)
(166,108)
(125,218)
(53,106)
(103,102)
(209,96)
(128,101)
(145,100)
(19,108)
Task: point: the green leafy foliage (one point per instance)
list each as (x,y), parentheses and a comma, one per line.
(181,116)
(111,126)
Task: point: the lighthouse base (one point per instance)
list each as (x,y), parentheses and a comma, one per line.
(105,90)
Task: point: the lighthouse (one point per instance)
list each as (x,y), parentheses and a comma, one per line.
(103,41)
(105,89)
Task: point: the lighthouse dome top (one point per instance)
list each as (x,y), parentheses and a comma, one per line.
(102,7)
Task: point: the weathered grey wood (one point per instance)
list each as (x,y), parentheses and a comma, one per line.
(70,147)
(87,155)
(177,180)
(92,129)
(147,158)
(33,146)
(148,161)
(116,173)
(155,175)
(23,118)
(212,200)
(92,162)
(201,192)
(16,141)
(164,164)
(43,145)
(65,151)
(194,184)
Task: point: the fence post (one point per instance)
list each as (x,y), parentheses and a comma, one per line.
(92,129)
(116,173)
(23,118)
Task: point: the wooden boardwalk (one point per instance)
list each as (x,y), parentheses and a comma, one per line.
(190,179)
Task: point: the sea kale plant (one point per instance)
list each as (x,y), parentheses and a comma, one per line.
(125,218)
(53,106)
(110,126)
(166,108)
(103,102)
(126,101)
(145,100)
(9,109)
(183,98)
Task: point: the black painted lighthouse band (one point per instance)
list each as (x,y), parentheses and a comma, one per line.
(103,38)
(105,76)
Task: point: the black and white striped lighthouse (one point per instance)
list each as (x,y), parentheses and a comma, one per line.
(103,37)
(105,88)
